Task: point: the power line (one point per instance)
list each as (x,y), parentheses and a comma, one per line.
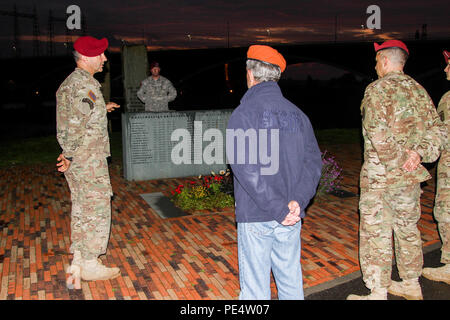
(36,34)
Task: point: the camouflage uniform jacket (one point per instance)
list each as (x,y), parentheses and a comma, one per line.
(444,113)
(397,115)
(156,94)
(444,163)
(81,116)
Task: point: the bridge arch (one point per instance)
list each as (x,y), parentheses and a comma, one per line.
(295,59)
(291,60)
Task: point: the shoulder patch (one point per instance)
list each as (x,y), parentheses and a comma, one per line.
(92,96)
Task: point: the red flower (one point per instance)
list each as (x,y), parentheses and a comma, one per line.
(178,189)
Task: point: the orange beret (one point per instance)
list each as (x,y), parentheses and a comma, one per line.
(266,54)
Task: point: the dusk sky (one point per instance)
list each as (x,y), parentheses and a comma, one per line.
(178,24)
(183,24)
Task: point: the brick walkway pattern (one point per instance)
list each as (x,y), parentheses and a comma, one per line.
(190,257)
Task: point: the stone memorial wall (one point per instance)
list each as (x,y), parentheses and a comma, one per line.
(160,145)
(171,144)
(134,70)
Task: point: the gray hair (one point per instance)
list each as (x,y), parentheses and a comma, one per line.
(263,71)
(395,55)
(76,55)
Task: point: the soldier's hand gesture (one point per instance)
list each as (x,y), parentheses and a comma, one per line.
(64,163)
(111,106)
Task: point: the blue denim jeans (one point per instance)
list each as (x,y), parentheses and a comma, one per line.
(266,246)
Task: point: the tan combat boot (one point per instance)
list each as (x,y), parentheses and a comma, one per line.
(409,289)
(375,294)
(438,274)
(92,270)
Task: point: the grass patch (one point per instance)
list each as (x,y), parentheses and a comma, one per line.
(338,136)
(115,140)
(43,150)
(29,151)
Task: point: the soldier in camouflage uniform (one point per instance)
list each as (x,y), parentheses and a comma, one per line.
(156,91)
(442,201)
(83,136)
(401,129)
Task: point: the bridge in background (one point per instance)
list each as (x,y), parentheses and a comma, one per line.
(184,67)
(356,57)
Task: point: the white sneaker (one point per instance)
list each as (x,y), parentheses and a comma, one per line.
(73,281)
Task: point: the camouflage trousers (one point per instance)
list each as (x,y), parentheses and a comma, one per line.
(442,205)
(383,212)
(91,192)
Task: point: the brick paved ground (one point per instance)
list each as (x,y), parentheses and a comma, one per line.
(191,257)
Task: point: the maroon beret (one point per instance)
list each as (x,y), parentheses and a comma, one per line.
(90,47)
(446,56)
(154,64)
(391,44)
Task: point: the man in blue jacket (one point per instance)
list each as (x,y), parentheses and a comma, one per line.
(277,166)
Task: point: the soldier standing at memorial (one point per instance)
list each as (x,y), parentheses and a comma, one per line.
(442,201)
(156,91)
(83,136)
(401,128)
